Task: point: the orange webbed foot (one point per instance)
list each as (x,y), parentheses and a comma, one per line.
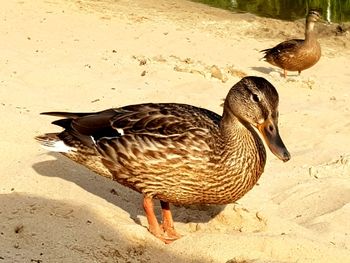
(165,232)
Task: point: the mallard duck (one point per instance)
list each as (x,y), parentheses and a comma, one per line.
(297,54)
(177,153)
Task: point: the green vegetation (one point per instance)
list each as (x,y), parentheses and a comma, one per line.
(332,10)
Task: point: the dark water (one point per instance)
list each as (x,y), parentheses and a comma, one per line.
(332,10)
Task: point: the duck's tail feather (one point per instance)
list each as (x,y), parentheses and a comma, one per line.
(51,142)
(72,115)
(265,51)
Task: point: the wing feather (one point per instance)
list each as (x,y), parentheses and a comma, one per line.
(155,120)
(284,47)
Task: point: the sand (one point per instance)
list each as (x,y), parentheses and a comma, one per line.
(91,55)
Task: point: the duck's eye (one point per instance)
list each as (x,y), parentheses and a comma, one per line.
(255,97)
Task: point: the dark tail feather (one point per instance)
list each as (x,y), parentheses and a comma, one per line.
(265,51)
(64,123)
(66,114)
(69,116)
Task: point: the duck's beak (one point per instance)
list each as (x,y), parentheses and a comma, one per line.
(269,130)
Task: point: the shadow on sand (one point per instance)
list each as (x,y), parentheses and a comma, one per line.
(263,70)
(36,229)
(267,71)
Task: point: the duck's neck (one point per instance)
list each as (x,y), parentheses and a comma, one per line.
(242,154)
(310,34)
(239,136)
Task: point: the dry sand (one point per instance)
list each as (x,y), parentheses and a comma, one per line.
(90,55)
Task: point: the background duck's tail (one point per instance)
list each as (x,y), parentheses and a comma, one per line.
(265,51)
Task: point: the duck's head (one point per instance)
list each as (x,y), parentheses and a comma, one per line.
(254,101)
(313,16)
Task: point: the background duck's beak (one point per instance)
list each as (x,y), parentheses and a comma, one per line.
(269,130)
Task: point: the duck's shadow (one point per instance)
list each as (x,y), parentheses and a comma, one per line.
(123,197)
(263,70)
(268,71)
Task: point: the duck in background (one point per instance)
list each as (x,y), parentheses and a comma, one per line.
(297,54)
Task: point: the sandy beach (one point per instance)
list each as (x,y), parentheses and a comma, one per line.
(87,55)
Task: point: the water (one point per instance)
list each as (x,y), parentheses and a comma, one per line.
(337,11)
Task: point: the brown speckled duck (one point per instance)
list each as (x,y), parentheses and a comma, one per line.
(177,153)
(297,54)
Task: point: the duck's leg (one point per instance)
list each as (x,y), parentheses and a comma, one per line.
(153,225)
(168,222)
(299,71)
(284,73)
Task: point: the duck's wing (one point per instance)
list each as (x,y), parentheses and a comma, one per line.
(163,119)
(286,47)
(142,129)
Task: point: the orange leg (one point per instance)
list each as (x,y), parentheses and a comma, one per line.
(168,223)
(153,225)
(284,73)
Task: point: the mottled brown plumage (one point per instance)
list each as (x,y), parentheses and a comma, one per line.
(177,153)
(297,54)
